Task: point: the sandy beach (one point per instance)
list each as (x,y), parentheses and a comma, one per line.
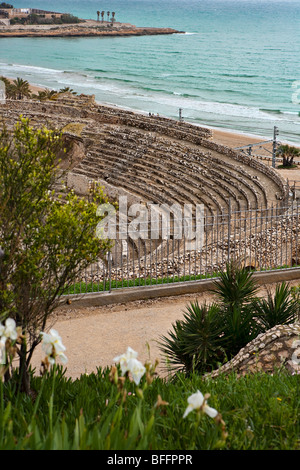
(228,138)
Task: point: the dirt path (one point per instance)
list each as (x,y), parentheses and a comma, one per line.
(94,336)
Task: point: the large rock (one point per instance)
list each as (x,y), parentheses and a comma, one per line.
(278,347)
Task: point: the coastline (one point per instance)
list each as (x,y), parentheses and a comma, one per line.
(230,138)
(90,28)
(227,137)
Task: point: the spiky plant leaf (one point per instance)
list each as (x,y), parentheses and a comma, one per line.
(279,308)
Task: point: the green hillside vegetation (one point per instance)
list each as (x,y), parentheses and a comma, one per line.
(35,19)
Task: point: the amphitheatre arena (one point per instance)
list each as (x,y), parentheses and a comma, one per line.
(249,213)
(164,162)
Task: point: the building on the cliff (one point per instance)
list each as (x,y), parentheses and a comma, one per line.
(9,13)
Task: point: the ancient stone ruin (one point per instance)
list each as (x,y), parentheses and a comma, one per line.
(278,348)
(156,160)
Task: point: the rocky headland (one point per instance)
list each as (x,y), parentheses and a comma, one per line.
(88,28)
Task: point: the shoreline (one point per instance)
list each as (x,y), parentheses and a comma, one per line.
(222,135)
(90,28)
(227,137)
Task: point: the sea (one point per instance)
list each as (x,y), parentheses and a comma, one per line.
(235,68)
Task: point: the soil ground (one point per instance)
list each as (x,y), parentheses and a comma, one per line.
(94,336)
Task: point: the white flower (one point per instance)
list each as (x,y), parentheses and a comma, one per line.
(197,401)
(129,363)
(124,358)
(137,370)
(53,347)
(9,330)
(2,350)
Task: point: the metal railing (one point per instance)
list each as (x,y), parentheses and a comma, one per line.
(294,186)
(266,150)
(260,239)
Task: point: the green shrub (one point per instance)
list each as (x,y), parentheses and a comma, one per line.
(295,293)
(278,309)
(67,18)
(196,342)
(210,335)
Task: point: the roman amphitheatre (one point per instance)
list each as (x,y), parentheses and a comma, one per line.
(156,160)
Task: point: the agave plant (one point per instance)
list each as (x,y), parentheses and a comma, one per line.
(279,308)
(196,342)
(235,286)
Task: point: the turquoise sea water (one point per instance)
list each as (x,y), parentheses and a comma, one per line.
(237,67)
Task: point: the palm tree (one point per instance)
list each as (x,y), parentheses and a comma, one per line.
(288,154)
(108,13)
(41,96)
(196,341)
(46,95)
(236,286)
(113,17)
(67,90)
(102,15)
(211,334)
(98,15)
(21,88)
(236,289)
(51,94)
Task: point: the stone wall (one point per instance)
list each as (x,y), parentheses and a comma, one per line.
(278,347)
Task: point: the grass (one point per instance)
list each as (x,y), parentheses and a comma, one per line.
(259,412)
(83,287)
(287,167)
(94,287)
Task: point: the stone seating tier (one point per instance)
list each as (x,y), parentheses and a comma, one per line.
(133,155)
(153,156)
